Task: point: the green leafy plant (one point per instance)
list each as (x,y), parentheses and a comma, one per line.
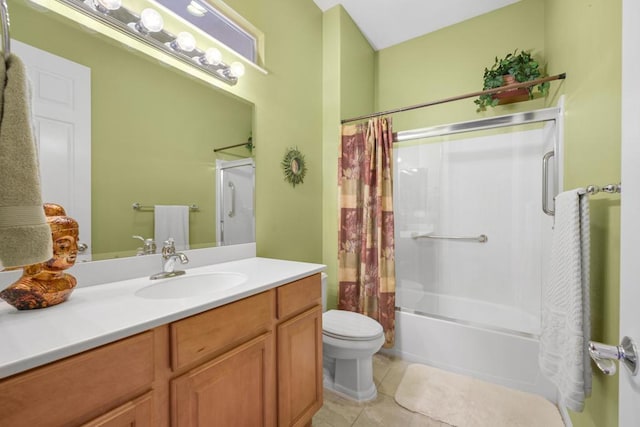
(521,66)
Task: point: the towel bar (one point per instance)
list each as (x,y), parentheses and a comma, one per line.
(604,355)
(609,188)
(138,207)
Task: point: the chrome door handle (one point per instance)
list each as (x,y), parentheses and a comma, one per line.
(604,355)
(232,212)
(545,183)
(82,247)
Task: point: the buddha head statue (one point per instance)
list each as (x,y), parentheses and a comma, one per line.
(64,233)
(44,284)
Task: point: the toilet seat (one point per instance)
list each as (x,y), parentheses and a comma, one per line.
(350,326)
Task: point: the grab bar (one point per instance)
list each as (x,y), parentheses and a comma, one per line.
(480,239)
(232,212)
(545,183)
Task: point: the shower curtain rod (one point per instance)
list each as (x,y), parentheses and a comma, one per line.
(231,146)
(561,76)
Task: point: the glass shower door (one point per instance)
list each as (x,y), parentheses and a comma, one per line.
(471,236)
(235,222)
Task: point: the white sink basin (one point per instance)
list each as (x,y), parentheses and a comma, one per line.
(189,286)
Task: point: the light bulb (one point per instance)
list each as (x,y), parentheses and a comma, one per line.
(151,21)
(184,41)
(236,69)
(213,56)
(196,9)
(107,5)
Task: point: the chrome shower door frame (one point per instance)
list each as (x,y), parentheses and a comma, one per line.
(553,114)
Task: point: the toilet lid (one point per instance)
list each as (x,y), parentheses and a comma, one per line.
(350,326)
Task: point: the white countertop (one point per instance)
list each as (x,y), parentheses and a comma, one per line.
(100,314)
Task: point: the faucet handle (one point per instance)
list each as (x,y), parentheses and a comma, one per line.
(149,246)
(169,247)
(139,251)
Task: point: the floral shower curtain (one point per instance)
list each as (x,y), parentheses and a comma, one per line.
(366,270)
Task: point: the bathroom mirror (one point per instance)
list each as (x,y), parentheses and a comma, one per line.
(153,132)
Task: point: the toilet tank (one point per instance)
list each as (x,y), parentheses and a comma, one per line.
(324,292)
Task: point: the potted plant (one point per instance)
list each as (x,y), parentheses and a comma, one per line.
(513,68)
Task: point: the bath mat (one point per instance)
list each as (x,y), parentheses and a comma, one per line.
(462,401)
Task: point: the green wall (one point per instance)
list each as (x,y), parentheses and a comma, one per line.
(348,90)
(582,39)
(451,61)
(288,113)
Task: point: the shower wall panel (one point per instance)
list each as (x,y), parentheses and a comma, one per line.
(487,185)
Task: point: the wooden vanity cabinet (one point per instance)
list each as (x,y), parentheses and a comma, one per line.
(253,362)
(234,383)
(273,375)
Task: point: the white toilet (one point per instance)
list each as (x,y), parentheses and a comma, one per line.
(349,342)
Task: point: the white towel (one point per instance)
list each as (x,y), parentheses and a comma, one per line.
(566,325)
(172,221)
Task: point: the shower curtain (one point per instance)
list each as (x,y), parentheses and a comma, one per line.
(366,269)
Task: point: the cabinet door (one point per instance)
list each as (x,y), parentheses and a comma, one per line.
(236,389)
(137,413)
(300,368)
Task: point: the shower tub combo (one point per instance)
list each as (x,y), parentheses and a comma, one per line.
(472,243)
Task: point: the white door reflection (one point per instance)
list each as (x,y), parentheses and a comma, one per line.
(61,102)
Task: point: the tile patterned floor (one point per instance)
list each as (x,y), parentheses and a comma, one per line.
(383,411)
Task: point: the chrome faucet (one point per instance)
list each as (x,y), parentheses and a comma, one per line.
(169,256)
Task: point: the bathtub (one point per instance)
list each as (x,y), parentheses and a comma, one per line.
(486,341)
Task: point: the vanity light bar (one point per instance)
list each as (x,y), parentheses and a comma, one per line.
(124,21)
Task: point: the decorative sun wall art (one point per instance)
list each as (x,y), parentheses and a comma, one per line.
(294,166)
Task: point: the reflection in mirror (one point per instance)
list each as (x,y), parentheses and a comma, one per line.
(235,220)
(152,134)
(148,27)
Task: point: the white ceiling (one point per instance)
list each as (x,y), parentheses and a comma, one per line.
(388,22)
